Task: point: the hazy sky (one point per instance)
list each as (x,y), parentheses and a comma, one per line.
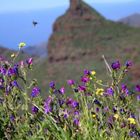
(21,13)
(22,5)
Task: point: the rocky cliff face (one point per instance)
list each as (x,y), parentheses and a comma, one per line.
(81,36)
(78,24)
(75,4)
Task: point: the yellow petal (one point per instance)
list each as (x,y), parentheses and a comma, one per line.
(13,55)
(93,72)
(21,45)
(116,116)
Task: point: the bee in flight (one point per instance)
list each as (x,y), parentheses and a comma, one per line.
(34,23)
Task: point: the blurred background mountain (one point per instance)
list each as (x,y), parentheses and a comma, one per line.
(132,20)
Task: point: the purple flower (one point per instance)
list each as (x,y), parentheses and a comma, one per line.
(85,79)
(137,88)
(132,134)
(15,84)
(110,91)
(87,72)
(124,89)
(122,111)
(97,109)
(35,92)
(3,71)
(29,61)
(47,109)
(34,109)
(12,118)
(116,65)
(11,72)
(76,122)
(97,102)
(111,119)
(66,114)
(52,84)
(47,104)
(70,82)
(123,124)
(82,88)
(76,113)
(128,64)
(61,102)
(114,109)
(74,104)
(138,97)
(1,82)
(76,90)
(15,68)
(69,101)
(132,115)
(62,90)
(106,109)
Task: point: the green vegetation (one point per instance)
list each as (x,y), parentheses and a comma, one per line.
(93,110)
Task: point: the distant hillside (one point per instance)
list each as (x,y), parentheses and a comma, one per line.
(5,52)
(132,20)
(37,50)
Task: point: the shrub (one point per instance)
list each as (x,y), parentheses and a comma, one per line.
(94,110)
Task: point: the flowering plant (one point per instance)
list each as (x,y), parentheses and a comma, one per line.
(94,110)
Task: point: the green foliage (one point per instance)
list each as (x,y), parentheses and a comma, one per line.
(93,111)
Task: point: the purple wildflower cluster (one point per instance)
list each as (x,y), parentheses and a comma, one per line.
(106,108)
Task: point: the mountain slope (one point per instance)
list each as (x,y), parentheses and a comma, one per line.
(83,29)
(132,20)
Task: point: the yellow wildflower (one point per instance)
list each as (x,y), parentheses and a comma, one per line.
(93,73)
(99,91)
(99,81)
(94,115)
(65,127)
(21,45)
(116,116)
(13,55)
(131,120)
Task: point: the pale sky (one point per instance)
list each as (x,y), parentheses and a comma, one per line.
(20,13)
(28,5)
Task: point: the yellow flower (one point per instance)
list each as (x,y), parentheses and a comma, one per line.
(131,120)
(99,91)
(94,115)
(90,78)
(93,73)
(116,116)
(99,81)
(13,55)
(21,45)
(65,127)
